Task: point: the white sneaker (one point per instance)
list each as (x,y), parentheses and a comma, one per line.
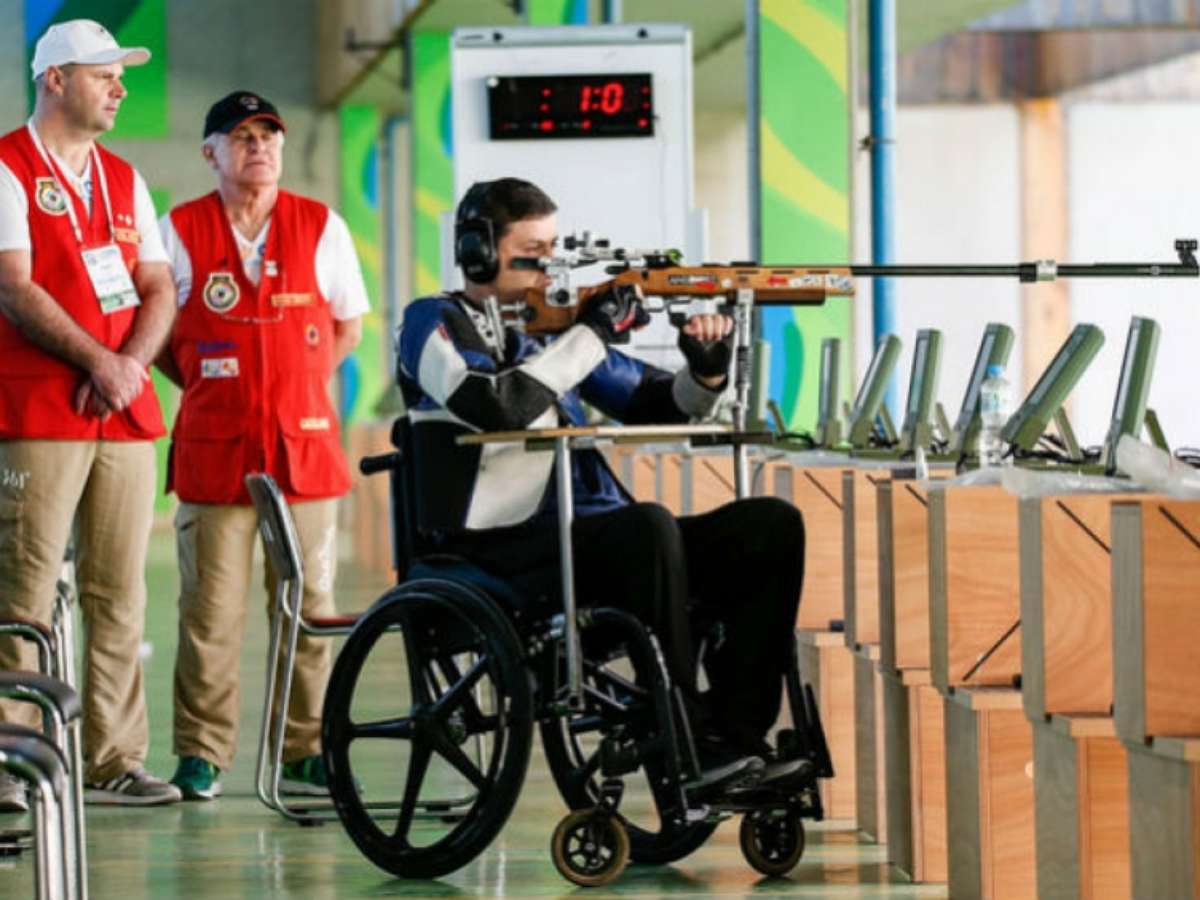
(135,788)
(13,796)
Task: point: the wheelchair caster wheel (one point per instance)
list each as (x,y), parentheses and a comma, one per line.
(590,847)
(772,840)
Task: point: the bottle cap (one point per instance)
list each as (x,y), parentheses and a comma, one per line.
(995,370)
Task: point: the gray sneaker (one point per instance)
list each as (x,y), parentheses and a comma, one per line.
(13,796)
(135,788)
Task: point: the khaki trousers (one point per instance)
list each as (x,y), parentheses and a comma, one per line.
(216,548)
(107,489)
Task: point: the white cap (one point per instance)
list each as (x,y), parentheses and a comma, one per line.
(82,41)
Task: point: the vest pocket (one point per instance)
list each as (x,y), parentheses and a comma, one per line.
(315,463)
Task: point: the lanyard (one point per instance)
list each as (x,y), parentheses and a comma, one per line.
(63,184)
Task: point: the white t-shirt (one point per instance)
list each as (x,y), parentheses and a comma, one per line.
(339,277)
(14,211)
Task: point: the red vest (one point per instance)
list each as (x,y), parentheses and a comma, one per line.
(36,388)
(256,361)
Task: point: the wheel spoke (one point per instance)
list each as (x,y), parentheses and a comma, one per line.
(398,729)
(418,764)
(461,691)
(450,752)
(415,661)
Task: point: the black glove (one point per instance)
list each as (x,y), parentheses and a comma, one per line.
(708,359)
(614,312)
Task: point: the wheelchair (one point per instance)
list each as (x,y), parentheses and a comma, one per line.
(476,666)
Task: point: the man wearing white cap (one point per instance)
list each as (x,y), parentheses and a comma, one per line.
(87,302)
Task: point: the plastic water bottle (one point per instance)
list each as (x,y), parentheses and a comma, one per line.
(994,399)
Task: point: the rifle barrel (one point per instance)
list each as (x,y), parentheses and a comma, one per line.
(1032,271)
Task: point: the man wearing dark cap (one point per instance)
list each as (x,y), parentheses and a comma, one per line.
(270,302)
(86,302)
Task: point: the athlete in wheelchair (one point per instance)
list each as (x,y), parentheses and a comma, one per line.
(479,610)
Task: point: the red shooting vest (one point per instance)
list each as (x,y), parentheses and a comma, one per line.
(37,388)
(256,361)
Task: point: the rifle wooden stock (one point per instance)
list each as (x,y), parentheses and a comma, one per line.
(772,285)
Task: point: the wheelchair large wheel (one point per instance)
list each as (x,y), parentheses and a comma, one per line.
(430,686)
(572,753)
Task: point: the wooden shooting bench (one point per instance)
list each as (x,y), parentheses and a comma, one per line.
(1156,626)
(975,663)
(1080,777)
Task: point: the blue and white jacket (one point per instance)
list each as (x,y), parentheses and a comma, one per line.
(455,381)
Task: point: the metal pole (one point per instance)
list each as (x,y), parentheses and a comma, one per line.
(741,383)
(753,124)
(566,514)
(882,55)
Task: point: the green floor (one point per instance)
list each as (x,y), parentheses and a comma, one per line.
(235,847)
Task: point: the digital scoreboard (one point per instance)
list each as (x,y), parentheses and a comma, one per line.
(528,107)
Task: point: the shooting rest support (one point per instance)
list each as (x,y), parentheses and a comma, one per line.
(563,441)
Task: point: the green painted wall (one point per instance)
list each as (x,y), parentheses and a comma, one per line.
(432,170)
(134,23)
(805,164)
(365,379)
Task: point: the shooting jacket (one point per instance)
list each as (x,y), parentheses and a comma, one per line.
(457,376)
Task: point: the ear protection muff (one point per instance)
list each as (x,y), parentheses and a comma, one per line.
(475,236)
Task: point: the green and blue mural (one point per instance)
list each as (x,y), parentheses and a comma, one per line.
(805,164)
(432,166)
(364,374)
(134,23)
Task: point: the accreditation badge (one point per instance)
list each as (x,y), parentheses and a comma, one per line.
(110,278)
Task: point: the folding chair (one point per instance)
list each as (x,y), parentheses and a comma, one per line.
(62,713)
(283,548)
(32,758)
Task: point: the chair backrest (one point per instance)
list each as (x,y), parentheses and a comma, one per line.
(403,490)
(276,526)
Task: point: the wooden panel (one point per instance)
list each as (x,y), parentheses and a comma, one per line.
(862,624)
(817,494)
(1077,604)
(1008,850)
(1105,865)
(1171,617)
(712,481)
(668,488)
(1164,826)
(643,486)
(910,554)
(869,812)
(963,819)
(830,668)
(1057,812)
(928,777)
(1129,671)
(899,775)
(887,576)
(982,586)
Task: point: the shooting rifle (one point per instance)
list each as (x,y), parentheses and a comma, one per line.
(668,285)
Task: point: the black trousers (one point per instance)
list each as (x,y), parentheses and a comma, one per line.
(738,568)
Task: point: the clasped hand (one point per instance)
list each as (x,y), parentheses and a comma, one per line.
(112,386)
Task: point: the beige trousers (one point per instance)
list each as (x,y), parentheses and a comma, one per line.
(107,489)
(216,548)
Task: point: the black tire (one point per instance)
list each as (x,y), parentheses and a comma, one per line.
(441,621)
(772,840)
(590,847)
(573,766)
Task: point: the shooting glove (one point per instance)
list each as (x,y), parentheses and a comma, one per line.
(614,312)
(708,359)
